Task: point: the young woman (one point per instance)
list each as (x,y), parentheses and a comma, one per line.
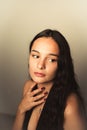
(51,98)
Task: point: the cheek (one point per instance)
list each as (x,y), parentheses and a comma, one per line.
(30,69)
(31,63)
(30,66)
(52,70)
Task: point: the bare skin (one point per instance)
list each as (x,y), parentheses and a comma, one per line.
(73,117)
(28,102)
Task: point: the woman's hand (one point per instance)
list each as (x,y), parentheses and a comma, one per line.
(32,98)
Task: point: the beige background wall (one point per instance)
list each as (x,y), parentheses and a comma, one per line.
(20,20)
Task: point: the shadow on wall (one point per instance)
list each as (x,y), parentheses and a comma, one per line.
(82,72)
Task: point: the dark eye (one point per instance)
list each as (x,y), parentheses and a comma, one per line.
(35,56)
(52,60)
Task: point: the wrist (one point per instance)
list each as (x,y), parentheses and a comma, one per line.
(20,111)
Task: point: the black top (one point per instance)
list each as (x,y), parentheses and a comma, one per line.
(50,118)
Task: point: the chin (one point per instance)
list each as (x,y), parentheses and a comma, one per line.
(42,81)
(37,80)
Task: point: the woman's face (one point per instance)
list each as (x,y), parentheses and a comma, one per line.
(43,60)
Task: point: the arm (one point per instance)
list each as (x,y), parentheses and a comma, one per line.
(74,119)
(28,101)
(19,119)
(20,115)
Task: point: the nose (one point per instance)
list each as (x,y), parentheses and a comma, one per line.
(41,64)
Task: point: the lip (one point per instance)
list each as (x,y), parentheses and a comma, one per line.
(39,74)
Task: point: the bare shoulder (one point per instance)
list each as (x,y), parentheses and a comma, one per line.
(72,105)
(27,85)
(72,114)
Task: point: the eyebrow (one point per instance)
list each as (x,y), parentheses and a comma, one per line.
(49,53)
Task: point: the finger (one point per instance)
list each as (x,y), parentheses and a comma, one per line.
(37,91)
(38,102)
(32,87)
(38,97)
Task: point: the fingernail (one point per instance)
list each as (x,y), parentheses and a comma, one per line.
(44,99)
(43,88)
(46,93)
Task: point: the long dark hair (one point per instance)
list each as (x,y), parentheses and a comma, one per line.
(65,79)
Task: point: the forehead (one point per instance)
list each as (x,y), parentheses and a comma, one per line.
(45,45)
